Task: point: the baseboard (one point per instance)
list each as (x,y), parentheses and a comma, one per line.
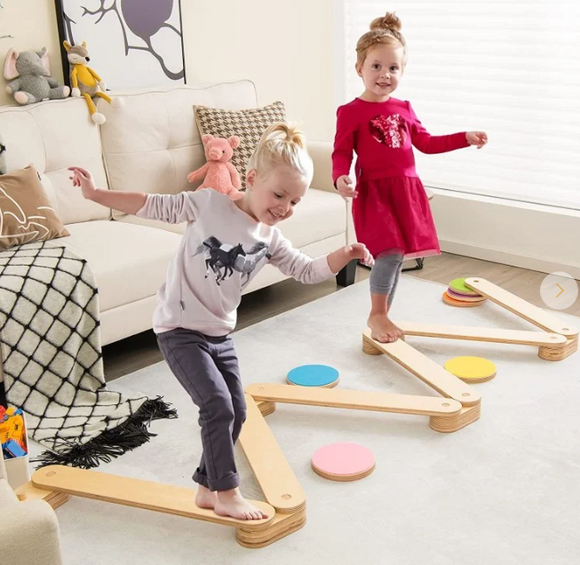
(539,238)
(507,258)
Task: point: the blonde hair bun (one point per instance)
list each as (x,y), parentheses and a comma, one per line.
(282,144)
(388,22)
(286,133)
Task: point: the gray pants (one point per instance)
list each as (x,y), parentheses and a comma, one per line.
(207,367)
(385,274)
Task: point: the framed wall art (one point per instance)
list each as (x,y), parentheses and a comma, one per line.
(132,44)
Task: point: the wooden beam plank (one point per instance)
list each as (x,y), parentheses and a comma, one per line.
(495,335)
(275,476)
(427,370)
(355,399)
(520,307)
(126,491)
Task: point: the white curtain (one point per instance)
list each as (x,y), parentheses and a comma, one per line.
(508,67)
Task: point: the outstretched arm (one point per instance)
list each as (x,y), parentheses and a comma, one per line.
(303,268)
(126,202)
(170,208)
(427,143)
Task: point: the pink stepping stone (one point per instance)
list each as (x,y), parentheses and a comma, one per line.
(343,461)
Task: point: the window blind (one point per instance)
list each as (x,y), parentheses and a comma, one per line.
(508,67)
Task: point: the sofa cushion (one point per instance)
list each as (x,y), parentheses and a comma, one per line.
(26,213)
(152,143)
(319,215)
(129,261)
(52,136)
(248,125)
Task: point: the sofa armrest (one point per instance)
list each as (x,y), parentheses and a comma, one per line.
(321,152)
(29,534)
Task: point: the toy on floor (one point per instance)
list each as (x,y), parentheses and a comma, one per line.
(86,82)
(12,432)
(313,375)
(343,462)
(29,73)
(459,295)
(218,172)
(471,369)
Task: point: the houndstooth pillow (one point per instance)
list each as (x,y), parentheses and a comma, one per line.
(248,125)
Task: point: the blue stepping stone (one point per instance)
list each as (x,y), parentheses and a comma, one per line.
(313,375)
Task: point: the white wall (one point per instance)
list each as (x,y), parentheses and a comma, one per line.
(33,25)
(287,48)
(284,46)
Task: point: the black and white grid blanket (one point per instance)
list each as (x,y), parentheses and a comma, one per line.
(52,362)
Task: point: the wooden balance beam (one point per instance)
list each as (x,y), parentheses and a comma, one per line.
(433,375)
(540,318)
(542,340)
(286,512)
(277,480)
(444,413)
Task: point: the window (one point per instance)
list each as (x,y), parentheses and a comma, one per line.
(508,67)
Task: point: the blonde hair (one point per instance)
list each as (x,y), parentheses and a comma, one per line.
(282,144)
(384,30)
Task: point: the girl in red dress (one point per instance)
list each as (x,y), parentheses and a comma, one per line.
(390,207)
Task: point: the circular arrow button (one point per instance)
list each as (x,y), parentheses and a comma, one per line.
(559,290)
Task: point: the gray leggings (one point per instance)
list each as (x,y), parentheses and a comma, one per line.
(207,368)
(385,274)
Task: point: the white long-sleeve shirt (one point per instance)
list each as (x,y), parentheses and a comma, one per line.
(222,249)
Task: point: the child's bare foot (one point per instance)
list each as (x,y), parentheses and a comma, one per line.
(232,503)
(382,329)
(205,498)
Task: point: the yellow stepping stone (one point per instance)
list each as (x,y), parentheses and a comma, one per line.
(471,369)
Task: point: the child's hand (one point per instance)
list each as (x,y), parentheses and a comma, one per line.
(344,187)
(359,251)
(84,179)
(478,138)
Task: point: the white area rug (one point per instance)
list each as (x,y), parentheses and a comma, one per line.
(505,490)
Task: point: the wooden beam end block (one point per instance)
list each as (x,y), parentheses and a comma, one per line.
(450,424)
(559,353)
(283,525)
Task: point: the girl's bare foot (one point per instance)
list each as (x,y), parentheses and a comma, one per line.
(205,498)
(232,503)
(382,329)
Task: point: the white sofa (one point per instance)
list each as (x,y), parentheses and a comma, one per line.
(149,145)
(29,532)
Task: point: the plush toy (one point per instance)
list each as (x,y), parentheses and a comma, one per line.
(29,73)
(86,82)
(219,173)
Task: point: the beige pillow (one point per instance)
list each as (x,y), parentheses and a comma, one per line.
(248,125)
(25,211)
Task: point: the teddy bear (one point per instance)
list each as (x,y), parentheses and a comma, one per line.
(29,73)
(86,82)
(219,173)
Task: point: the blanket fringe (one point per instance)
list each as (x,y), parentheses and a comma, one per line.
(112,443)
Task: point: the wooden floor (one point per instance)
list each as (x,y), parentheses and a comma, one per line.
(140,351)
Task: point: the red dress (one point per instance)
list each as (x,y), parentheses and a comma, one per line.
(392,210)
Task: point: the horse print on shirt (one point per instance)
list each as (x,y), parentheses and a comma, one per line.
(223,259)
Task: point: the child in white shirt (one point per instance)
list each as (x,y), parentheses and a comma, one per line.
(225,244)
